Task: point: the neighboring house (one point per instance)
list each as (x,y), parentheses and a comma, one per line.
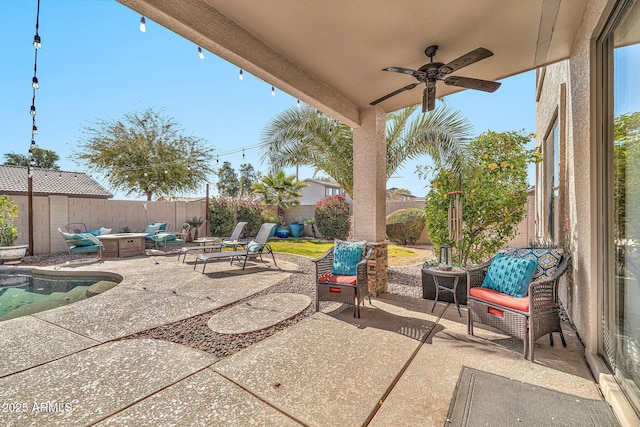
(48,182)
(400,195)
(318,189)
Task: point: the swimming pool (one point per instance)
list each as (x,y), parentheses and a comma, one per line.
(24,291)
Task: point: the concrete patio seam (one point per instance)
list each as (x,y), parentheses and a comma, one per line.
(142,399)
(260,398)
(404,368)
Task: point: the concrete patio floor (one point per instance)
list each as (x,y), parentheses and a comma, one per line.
(395,366)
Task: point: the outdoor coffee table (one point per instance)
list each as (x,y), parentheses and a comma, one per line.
(455,272)
(121,245)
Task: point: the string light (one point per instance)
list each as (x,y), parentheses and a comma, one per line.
(34,130)
(273,91)
(298,103)
(143,25)
(243,153)
(34,83)
(37,41)
(33,110)
(240,76)
(200,53)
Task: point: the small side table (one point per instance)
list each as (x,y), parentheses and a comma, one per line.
(456,273)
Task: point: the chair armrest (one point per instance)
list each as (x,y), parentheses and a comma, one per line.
(324,263)
(543,294)
(361,268)
(476,274)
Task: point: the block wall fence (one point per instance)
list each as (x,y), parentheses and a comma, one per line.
(53,212)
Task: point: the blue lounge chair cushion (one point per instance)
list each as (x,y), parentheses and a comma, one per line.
(163,237)
(82,239)
(254,247)
(94,232)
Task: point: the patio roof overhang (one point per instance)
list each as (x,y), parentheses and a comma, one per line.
(330,53)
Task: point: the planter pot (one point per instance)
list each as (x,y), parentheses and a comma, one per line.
(283,233)
(429,290)
(274,230)
(12,253)
(297,230)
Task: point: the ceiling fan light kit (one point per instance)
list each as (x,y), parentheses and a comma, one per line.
(431,72)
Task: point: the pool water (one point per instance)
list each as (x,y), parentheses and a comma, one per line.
(23,293)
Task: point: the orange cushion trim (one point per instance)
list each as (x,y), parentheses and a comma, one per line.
(336,278)
(493,296)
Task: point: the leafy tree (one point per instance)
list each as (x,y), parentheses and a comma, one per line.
(301,136)
(248,177)
(46,159)
(494,185)
(227,185)
(145,153)
(626,186)
(279,190)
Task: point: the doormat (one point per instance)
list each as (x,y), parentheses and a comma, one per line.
(485,399)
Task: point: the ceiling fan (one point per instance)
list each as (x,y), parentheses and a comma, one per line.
(430,73)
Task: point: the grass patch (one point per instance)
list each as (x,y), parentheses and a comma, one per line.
(315,248)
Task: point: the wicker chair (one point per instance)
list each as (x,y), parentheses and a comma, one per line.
(541,317)
(341,292)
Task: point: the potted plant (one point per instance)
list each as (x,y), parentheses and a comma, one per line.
(297,227)
(9,232)
(283,230)
(195,223)
(270,217)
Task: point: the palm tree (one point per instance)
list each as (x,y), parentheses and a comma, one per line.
(303,136)
(279,190)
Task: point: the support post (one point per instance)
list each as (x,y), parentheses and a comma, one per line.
(370,192)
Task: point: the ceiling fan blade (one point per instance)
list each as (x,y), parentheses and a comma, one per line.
(467,59)
(485,85)
(400,70)
(395,92)
(429,97)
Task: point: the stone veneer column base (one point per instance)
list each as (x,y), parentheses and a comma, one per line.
(377,268)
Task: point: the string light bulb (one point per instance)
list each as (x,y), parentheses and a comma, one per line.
(33,110)
(243,153)
(37,41)
(143,24)
(273,91)
(33,144)
(34,83)
(298,103)
(34,131)
(240,76)
(200,53)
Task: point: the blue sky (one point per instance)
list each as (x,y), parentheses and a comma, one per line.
(96,64)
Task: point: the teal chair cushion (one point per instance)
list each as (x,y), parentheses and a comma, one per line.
(254,247)
(510,275)
(152,229)
(82,239)
(346,256)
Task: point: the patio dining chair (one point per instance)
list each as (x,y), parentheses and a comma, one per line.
(342,277)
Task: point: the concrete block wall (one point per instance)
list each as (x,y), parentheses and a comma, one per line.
(53,212)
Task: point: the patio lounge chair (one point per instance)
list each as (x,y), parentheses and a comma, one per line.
(82,243)
(348,286)
(157,236)
(527,317)
(254,249)
(232,241)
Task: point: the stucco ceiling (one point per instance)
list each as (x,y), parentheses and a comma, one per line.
(330,53)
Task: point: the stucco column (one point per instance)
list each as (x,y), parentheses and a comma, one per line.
(369,192)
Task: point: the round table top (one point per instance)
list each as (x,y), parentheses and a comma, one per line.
(455,271)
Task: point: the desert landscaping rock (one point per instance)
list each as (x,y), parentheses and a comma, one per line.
(259,313)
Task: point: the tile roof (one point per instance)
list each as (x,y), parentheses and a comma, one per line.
(13,180)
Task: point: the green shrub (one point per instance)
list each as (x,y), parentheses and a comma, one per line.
(332,217)
(251,212)
(220,217)
(8,212)
(404,226)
